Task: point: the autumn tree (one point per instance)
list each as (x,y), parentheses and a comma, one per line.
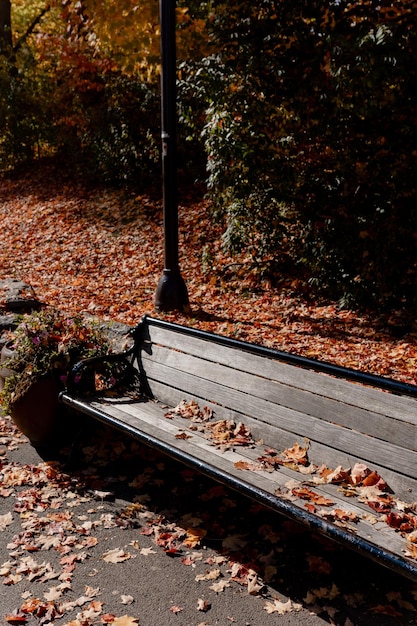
(93,67)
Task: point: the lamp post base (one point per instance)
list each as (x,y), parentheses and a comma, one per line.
(171,293)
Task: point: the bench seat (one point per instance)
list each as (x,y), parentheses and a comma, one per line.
(296,420)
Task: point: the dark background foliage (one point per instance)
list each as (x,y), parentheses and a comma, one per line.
(299,117)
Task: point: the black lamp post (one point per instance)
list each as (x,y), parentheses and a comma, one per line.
(171,293)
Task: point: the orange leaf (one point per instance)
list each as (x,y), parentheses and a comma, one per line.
(183,436)
(16,618)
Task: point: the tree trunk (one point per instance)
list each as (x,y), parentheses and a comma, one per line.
(6,42)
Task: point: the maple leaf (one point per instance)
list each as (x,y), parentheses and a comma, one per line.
(176,609)
(341,515)
(220,586)
(6,568)
(297,454)
(89,542)
(49,541)
(324,592)
(411,550)
(254,583)
(183,435)
(188,409)
(5,520)
(203,605)
(247,465)
(282,607)
(359,472)
(127,599)
(234,543)
(339,475)
(318,564)
(53,594)
(116,556)
(194,536)
(209,575)
(307,494)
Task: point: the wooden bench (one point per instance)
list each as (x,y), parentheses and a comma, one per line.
(308,439)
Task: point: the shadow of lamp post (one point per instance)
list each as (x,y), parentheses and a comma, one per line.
(171,293)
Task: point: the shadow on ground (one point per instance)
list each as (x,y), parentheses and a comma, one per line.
(330,581)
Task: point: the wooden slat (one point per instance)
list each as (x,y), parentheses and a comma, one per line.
(400,432)
(351,442)
(397,406)
(319,453)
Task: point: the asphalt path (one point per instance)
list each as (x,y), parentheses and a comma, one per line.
(117,533)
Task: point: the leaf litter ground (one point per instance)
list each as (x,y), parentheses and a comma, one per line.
(99,250)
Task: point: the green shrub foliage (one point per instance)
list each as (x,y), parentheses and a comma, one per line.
(310,134)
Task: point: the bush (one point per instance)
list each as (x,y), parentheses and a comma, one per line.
(310,113)
(111,127)
(25,126)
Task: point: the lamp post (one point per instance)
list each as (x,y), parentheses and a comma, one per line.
(171,293)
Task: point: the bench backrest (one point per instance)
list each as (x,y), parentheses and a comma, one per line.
(285,399)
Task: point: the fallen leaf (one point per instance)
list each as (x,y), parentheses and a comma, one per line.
(183,435)
(194,536)
(296,454)
(5,521)
(254,583)
(247,465)
(282,607)
(220,586)
(53,594)
(116,556)
(203,605)
(16,618)
(213,574)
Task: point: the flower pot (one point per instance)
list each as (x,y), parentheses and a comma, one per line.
(36,412)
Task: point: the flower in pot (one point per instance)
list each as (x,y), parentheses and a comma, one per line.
(43,348)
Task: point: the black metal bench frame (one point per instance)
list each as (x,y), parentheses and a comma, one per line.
(347,416)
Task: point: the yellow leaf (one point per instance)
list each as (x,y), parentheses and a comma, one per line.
(194,536)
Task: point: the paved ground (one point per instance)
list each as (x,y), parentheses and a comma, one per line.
(120,534)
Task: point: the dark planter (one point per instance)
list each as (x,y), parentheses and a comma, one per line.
(36,412)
